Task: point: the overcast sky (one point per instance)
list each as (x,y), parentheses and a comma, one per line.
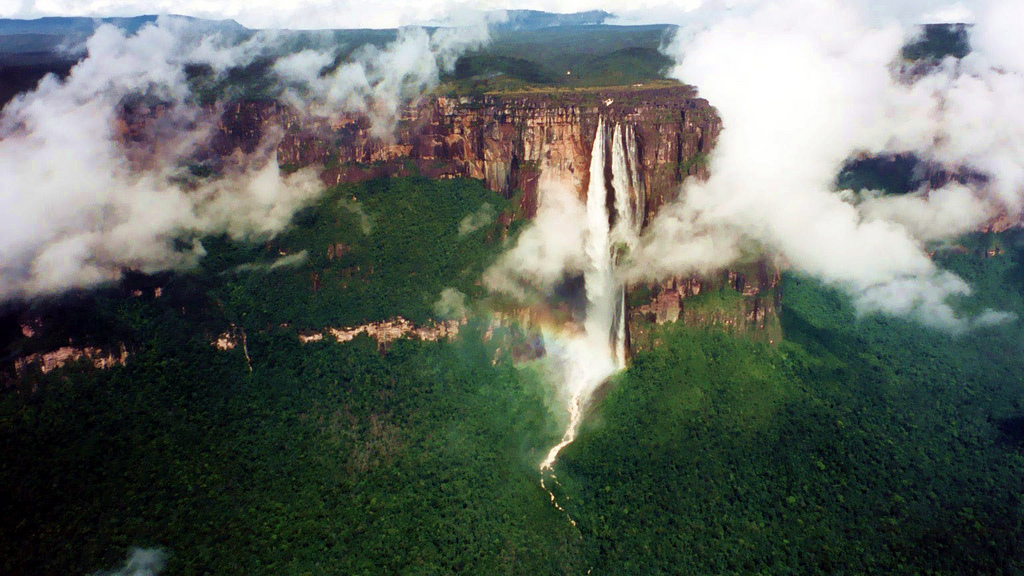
(392,13)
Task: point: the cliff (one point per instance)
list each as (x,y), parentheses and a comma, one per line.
(505,140)
(746,299)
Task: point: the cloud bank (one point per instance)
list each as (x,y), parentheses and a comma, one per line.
(395,13)
(87,193)
(377,82)
(803,85)
(547,250)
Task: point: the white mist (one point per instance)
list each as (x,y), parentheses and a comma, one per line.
(588,359)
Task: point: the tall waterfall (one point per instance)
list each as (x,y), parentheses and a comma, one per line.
(590,358)
(629,218)
(598,279)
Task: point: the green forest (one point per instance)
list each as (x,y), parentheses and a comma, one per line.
(856,445)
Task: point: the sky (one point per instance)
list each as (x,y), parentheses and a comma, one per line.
(393,13)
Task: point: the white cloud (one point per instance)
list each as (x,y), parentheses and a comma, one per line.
(394,13)
(802,85)
(377,82)
(451,304)
(141,562)
(477,220)
(546,250)
(953,14)
(83,201)
(937,214)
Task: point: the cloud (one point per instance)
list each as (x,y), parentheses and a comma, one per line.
(953,14)
(377,82)
(352,205)
(548,249)
(477,220)
(997,34)
(451,304)
(933,215)
(287,261)
(396,13)
(83,200)
(801,86)
(96,177)
(141,562)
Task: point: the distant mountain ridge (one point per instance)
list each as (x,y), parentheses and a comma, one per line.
(535,19)
(516,20)
(73,25)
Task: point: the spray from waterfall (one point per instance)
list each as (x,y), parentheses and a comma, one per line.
(589,358)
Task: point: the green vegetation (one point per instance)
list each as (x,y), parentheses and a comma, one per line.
(569,47)
(725,298)
(321,458)
(375,251)
(698,160)
(566,57)
(325,459)
(518,68)
(853,446)
(868,446)
(939,41)
(623,67)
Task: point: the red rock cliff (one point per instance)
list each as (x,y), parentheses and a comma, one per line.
(506,141)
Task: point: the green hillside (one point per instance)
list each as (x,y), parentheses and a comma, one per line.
(867,446)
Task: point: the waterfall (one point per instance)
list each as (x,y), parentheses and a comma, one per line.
(628,220)
(598,280)
(630,207)
(600,351)
(637,191)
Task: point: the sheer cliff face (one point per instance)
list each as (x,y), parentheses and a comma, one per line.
(507,141)
(746,299)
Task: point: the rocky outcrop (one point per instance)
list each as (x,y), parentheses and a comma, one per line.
(504,140)
(508,141)
(514,336)
(388,331)
(744,300)
(48,361)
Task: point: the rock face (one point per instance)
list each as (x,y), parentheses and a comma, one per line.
(49,361)
(506,141)
(746,299)
(388,331)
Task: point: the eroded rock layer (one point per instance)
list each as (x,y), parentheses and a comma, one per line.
(506,141)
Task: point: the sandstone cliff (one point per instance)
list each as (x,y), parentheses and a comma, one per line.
(506,141)
(746,299)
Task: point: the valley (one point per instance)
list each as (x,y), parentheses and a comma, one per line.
(438,348)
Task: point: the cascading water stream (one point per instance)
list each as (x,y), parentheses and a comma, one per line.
(588,359)
(629,213)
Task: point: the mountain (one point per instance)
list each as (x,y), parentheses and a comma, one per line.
(521,20)
(80,25)
(353,394)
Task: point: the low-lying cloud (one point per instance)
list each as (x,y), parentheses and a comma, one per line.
(802,86)
(88,193)
(377,82)
(451,304)
(477,220)
(546,251)
(141,562)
